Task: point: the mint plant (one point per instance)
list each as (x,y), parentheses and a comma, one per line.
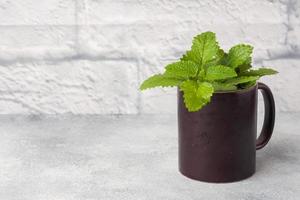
(206,69)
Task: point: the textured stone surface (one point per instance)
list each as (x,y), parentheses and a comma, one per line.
(69,87)
(129,157)
(125,42)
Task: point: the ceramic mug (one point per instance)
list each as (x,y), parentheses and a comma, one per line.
(218,143)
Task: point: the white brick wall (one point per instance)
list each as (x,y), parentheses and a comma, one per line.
(89,56)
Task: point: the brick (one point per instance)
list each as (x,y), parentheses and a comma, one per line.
(20,36)
(70,87)
(207,12)
(32,43)
(293,35)
(35,12)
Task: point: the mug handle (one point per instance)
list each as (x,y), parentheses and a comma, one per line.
(269,119)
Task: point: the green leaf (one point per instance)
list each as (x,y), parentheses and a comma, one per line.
(217,61)
(241,79)
(201,75)
(182,69)
(160,80)
(206,68)
(242,68)
(184,58)
(248,84)
(196,95)
(259,72)
(238,55)
(205,48)
(205,90)
(219,72)
(223,86)
(223,60)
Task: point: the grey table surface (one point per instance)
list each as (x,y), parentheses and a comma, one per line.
(129,157)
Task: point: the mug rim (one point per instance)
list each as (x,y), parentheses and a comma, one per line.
(237,91)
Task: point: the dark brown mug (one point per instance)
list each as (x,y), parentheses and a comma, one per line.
(218,143)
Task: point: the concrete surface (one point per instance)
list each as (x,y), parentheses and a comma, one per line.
(89,56)
(129,158)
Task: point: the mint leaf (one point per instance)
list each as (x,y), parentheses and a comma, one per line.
(223,60)
(241,79)
(248,84)
(238,55)
(201,75)
(160,80)
(218,59)
(223,86)
(219,72)
(184,58)
(259,72)
(196,95)
(244,67)
(182,69)
(205,48)
(206,68)
(205,90)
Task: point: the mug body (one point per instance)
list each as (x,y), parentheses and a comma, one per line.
(217,143)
